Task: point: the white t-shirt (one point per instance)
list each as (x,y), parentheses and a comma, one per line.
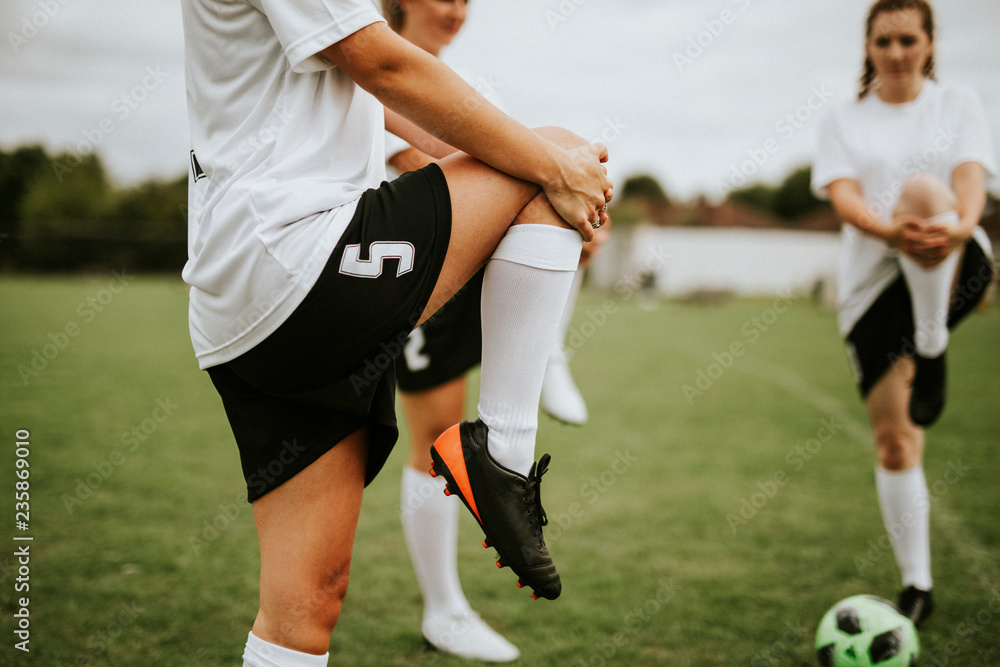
(882,145)
(284,144)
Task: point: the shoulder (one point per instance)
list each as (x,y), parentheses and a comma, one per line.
(842,111)
(951,94)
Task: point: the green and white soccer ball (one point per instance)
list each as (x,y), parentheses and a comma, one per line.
(866,631)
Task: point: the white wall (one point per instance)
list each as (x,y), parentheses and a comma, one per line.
(742,261)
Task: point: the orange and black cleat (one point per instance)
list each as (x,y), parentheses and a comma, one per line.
(507,505)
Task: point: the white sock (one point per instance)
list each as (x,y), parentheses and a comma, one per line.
(905,507)
(430,524)
(930,290)
(567,315)
(524,295)
(259,653)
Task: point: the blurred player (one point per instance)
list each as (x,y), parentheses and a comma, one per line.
(307,273)
(913,261)
(431,378)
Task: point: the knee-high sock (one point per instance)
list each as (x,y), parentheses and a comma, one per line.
(930,290)
(430,524)
(259,653)
(525,287)
(905,507)
(567,314)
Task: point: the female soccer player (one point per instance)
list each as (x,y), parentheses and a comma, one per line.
(905,166)
(307,275)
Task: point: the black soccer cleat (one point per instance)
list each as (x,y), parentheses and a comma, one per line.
(915,604)
(929,388)
(507,505)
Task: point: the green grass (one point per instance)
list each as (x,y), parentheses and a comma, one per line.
(145,553)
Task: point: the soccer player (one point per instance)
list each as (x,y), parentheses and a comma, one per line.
(307,273)
(904,166)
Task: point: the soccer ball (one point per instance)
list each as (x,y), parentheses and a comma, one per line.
(864,631)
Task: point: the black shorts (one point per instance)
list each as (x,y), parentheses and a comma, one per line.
(885,332)
(329,369)
(448,344)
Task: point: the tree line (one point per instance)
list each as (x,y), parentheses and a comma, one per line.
(62,213)
(641,197)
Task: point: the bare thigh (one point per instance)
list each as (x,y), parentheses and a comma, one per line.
(899,441)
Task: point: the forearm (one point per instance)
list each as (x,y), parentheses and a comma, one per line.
(969,184)
(430,146)
(409,159)
(420,88)
(851,207)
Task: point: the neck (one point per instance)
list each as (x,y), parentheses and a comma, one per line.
(900,94)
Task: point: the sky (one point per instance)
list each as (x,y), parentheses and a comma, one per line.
(705,95)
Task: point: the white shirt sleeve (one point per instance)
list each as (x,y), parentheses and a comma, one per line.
(974,143)
(306,27)
(833,160)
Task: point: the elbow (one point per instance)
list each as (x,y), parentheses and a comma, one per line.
(378,76)
(369,58)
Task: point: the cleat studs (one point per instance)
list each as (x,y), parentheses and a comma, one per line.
(485,545)
(519,584)
(431,472)
(447,491)
(499,565)
(534,595)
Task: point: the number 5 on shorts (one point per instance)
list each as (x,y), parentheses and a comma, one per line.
(351,263)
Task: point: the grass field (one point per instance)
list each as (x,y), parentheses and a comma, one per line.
(720,500)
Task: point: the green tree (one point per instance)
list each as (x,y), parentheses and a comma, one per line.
(149,226)
(644,187)
(790,201)
(62,214)
(641,198)
(70,216)
(757,196)
(18,170)
(794,198)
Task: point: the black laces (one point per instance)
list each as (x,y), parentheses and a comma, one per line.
(535,487)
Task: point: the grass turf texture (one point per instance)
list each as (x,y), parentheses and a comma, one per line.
(689,528)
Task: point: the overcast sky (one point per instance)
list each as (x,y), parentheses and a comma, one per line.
(687,90)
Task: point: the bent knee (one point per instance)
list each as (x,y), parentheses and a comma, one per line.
(304,618)
(539,211)
(898,449)
(321,610)
(925,195)
(328,596)
(560,136)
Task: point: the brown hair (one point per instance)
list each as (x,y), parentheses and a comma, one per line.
(881,6)
(393,13)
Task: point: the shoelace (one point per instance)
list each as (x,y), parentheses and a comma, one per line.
(535,492)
